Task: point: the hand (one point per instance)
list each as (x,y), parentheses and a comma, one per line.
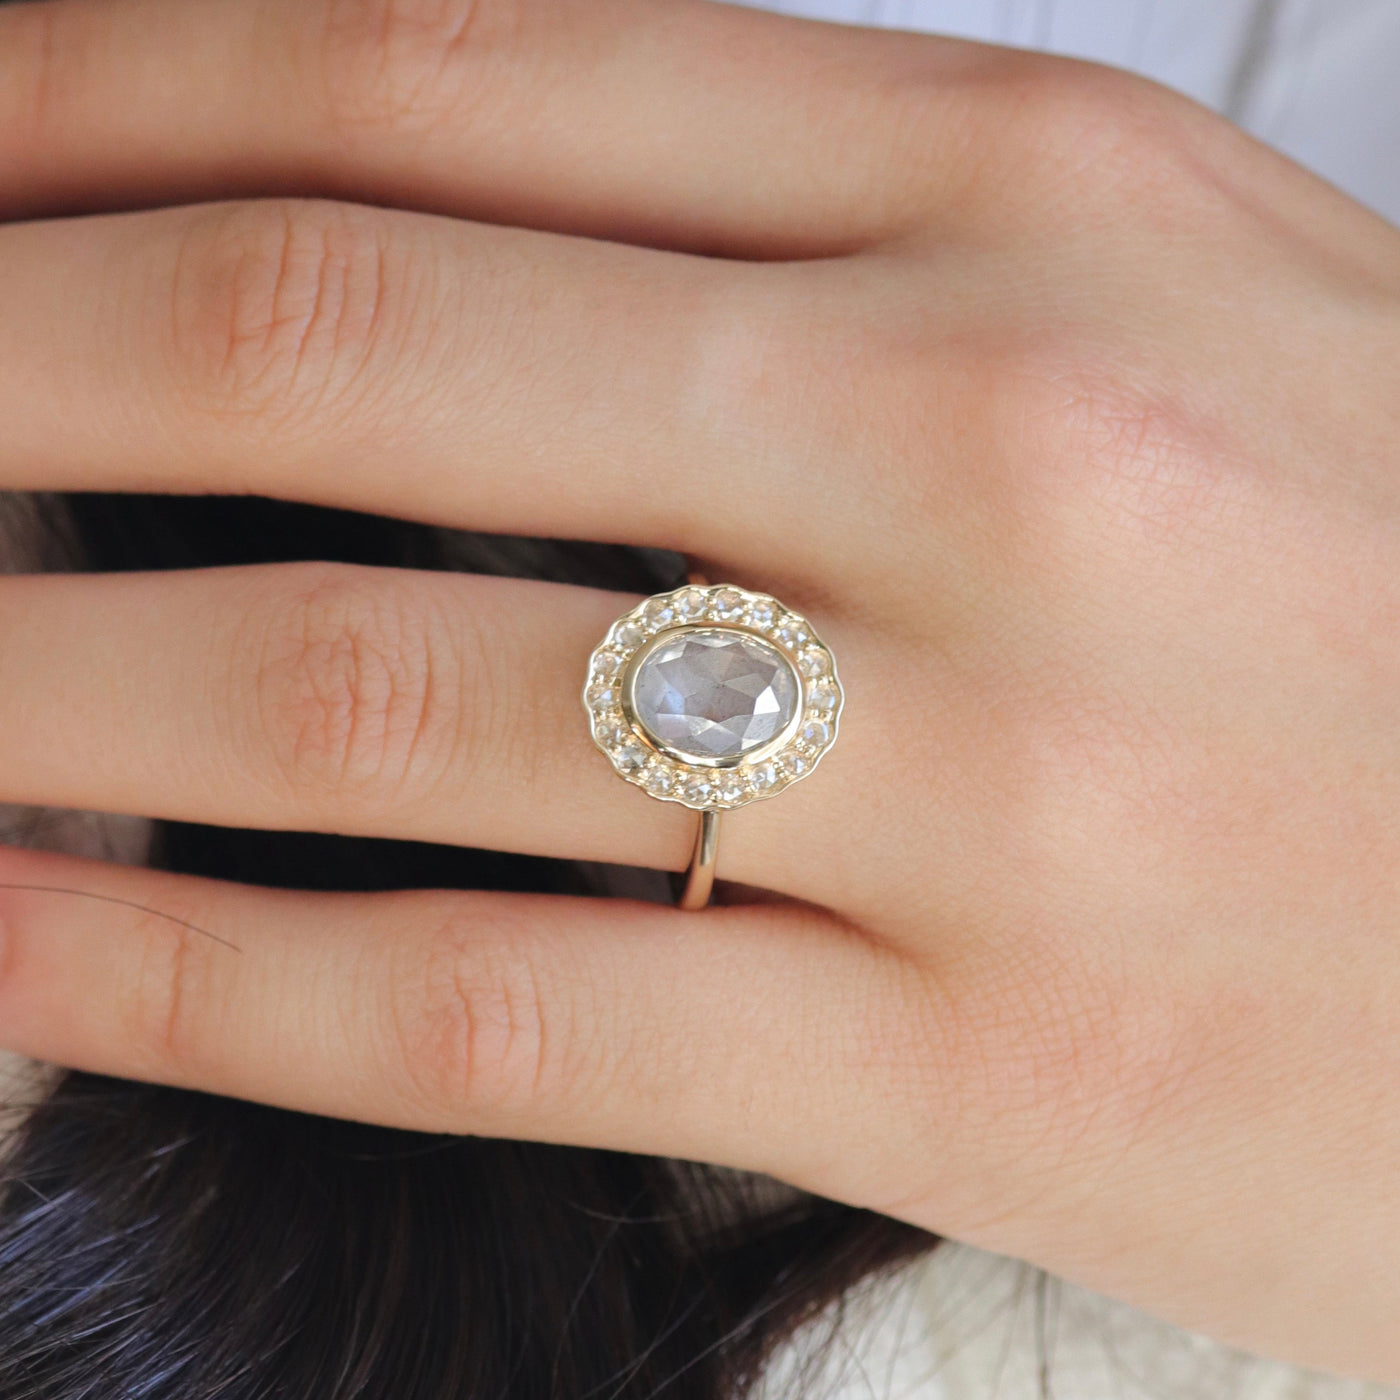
(1067,413)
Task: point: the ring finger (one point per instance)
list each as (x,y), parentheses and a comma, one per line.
(434,707)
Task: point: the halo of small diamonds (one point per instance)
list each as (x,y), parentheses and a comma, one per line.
(722,784)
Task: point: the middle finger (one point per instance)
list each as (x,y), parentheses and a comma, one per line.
(460,374)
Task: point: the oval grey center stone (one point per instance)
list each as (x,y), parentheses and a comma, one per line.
(714,694)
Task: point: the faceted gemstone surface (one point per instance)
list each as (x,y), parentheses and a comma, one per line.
(714,694)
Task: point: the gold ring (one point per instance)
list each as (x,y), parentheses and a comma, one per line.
(713,697)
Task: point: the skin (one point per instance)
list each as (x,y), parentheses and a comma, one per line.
(1067,413)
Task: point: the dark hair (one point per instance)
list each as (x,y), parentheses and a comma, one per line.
(158,1244)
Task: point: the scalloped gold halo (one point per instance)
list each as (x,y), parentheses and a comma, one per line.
(712,784)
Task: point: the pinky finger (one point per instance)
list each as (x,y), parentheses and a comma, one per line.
(713,1036)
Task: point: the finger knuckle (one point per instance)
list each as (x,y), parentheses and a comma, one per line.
(1109,132)
(279,307)
(477,1030)
(169,1012)
(38,40)
(408,64)
(1052,1057)
(1067,136)
(355,683)
(1109,460)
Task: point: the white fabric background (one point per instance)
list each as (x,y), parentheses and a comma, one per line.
(1320,80)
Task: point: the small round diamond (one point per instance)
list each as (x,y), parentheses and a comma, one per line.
(607,664)
(822,697)
(727,604)
(762,614)
(765,777)
(729,788)
(629,633)
(610,733)
(631,754)
(814,661)
(659,779)
(699,789)
(795,764)
(792,634)
(660,613)
(816,733)
(690,604)
(602,698)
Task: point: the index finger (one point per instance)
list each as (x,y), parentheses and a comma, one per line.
(679,124)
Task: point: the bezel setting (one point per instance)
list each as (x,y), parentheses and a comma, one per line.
(721,783)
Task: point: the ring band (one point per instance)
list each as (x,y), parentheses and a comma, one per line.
(712,697)
(700,874)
